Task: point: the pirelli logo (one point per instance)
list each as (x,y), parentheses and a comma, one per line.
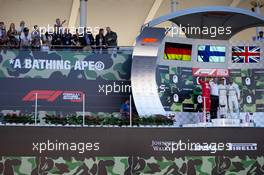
(52,95)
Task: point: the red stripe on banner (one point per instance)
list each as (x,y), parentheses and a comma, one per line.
(42,94)
(31,96)
(28,97)
(178,51)
(54,96)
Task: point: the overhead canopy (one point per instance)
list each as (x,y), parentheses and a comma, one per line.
(229,18)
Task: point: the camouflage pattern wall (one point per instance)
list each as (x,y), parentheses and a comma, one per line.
(103,77)
(251,83)
(190,165)
(178,89)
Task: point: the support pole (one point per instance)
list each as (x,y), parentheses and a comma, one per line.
(174,4)
(258,29)
(83,13)
(74,13)
(130,110)
(36,108)
(83,99)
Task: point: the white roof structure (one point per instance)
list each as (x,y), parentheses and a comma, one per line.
(236,19)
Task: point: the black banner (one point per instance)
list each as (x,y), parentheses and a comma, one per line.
(78,141)
(63,94)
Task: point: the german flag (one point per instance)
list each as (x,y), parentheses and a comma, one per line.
(176,51)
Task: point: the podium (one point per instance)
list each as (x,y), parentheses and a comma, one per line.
(225,122)
(197,125)
(221,122)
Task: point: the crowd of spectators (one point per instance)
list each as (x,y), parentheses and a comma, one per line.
(61,37)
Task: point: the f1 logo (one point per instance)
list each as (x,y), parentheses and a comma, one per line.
(52,95)
(49,95)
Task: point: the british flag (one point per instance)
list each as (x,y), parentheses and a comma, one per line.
(245,54)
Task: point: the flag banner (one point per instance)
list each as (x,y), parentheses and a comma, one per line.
(176,51)
(245,54)
(212,54)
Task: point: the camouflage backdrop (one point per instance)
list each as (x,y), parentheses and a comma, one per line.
(251,82)
(117,65)
(206,165)
(179,90)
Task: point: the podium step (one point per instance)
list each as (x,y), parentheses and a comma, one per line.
(226,122)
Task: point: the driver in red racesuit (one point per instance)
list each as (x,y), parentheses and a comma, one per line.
(206,94)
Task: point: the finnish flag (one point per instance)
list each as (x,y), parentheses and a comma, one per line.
(214,54)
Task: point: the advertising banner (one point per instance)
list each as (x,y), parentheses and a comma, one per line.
(51,141)
(63,94)
(64,79)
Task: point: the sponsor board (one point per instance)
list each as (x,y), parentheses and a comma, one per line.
(72,141)
(40,64)
(201,72)
(213,147)
(63,94)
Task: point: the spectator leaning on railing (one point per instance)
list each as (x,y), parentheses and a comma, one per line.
(76,38)
(100,40)
(110,37)
(87,40)
(3,34)
(67,38)
(46,38)
(22,25)
(13,37)
(25,38)
(35,35)
(56,38)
